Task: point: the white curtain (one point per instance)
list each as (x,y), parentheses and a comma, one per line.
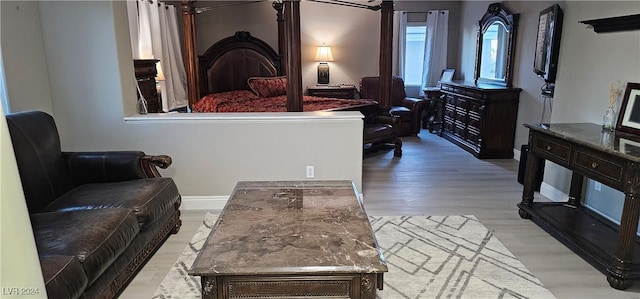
(157,37)
(435,51)
(399,37)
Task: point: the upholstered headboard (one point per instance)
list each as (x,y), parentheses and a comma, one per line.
(228,63)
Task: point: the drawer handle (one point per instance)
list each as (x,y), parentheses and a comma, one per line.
(594,165)
(549,147)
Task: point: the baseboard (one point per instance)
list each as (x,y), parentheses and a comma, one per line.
(552,193)
(203,202)
(516,154)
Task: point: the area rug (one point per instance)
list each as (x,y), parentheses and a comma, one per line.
(427,256)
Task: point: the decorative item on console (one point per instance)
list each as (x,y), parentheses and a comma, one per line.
(629,118)
(609,118)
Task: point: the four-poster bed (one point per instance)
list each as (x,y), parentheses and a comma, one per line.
(242,73)
(203,80)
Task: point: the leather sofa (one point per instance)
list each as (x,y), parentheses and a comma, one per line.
(408,109)
(97,217)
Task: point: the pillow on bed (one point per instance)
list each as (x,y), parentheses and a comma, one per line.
(266,87)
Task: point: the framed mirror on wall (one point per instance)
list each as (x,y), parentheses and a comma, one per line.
(495,46)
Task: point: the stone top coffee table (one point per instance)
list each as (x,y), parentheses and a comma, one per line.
(289,240)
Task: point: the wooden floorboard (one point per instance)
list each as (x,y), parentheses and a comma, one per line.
(434,177)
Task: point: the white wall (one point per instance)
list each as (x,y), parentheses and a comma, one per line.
(26,69)
(86,45)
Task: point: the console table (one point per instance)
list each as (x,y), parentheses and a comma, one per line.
(610,158)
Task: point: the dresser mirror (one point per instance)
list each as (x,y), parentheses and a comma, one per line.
(495,46)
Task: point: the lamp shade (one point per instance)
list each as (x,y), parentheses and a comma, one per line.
(323,54)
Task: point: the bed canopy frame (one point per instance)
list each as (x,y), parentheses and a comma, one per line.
(289,49)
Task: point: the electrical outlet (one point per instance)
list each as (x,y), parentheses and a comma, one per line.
(597,186)
(310,172)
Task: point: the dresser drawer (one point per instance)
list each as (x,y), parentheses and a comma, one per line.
(460,115)
(473,136)
(448,125)
(601,167)
(475,120)
(459,129)
(556,150)
(475,107)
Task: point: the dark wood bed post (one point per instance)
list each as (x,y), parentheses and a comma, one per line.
(279,7)
(190,58)
(292,55)
(386,52)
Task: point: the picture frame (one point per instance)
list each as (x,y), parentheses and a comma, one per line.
(629,115)
(447,75)
(629,147)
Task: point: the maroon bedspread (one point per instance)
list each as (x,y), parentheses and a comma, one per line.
(247,101)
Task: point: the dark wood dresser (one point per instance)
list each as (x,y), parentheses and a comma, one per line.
(145,70)
(481,118)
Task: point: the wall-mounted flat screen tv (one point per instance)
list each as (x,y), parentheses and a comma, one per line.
(545,63)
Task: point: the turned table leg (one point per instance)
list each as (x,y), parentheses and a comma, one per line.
(533,163)
(575,191)
(620,268)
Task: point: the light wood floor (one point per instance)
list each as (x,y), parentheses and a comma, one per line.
(434,177)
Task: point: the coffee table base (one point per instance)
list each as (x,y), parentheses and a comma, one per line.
(356,286)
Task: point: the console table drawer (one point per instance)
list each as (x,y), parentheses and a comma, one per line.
(557,150)
(601,167)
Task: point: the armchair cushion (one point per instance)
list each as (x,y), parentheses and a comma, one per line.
(148,198)
(96,238)
(64,276)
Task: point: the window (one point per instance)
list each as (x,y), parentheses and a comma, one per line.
(414,53)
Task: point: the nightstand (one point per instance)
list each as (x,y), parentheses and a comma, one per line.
(332,91)
(145,72)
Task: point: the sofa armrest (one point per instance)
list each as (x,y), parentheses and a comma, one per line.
(413,103)
(112,166)
(150,164)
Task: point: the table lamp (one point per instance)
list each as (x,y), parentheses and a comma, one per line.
(323,55)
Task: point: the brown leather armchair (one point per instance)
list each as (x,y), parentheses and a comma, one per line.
(97,217)
(408,109)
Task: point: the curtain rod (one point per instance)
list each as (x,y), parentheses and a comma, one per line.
(166,5)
